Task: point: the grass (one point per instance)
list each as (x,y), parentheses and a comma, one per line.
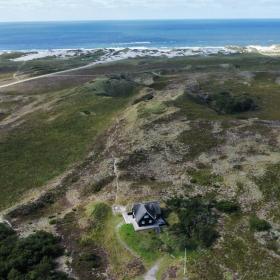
(105,234)
(41,149)
(146,244)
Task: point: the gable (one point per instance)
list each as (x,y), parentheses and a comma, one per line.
(146,220)
(146,211)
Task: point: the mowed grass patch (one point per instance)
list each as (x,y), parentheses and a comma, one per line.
(41,149)
(146,244)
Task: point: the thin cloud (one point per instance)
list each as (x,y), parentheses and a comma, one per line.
(126,9)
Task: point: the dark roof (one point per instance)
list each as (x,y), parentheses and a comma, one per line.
(151,208)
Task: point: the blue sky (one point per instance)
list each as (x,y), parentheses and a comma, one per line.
(36,10)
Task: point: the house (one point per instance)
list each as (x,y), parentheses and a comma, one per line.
(147,214)
(144,216)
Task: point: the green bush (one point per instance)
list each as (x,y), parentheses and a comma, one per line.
(30,258)
(257,224)
(227,206)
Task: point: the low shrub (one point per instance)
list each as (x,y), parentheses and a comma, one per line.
(228,207)
(196,222)
(269,182)
(113,87)
(257,224)
(204,177)
(226,103)
(132,159)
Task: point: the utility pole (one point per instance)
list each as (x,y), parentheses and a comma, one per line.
(185,262)
(117,178)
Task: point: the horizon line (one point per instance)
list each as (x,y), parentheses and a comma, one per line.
(138,19)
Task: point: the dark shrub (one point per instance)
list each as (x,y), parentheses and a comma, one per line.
(257,224)
(226,103)
(134,158)
(228,207)
(91,260)
(5,232)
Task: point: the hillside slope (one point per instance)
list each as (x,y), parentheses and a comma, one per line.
(200,134)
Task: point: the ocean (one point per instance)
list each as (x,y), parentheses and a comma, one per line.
(136,33)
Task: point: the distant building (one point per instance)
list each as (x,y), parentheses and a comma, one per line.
(147,214)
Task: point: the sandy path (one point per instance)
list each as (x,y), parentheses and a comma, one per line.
(152,273)
(53,74)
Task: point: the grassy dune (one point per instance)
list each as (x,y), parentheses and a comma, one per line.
(51,140)
(172,144)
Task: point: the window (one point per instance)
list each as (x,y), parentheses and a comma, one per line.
(146,217)
(150,221)
(143,223)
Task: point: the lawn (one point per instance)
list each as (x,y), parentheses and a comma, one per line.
(146,244)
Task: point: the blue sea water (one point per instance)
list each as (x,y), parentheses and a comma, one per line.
(149,33)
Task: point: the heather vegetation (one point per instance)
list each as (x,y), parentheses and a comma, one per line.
(77,149)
